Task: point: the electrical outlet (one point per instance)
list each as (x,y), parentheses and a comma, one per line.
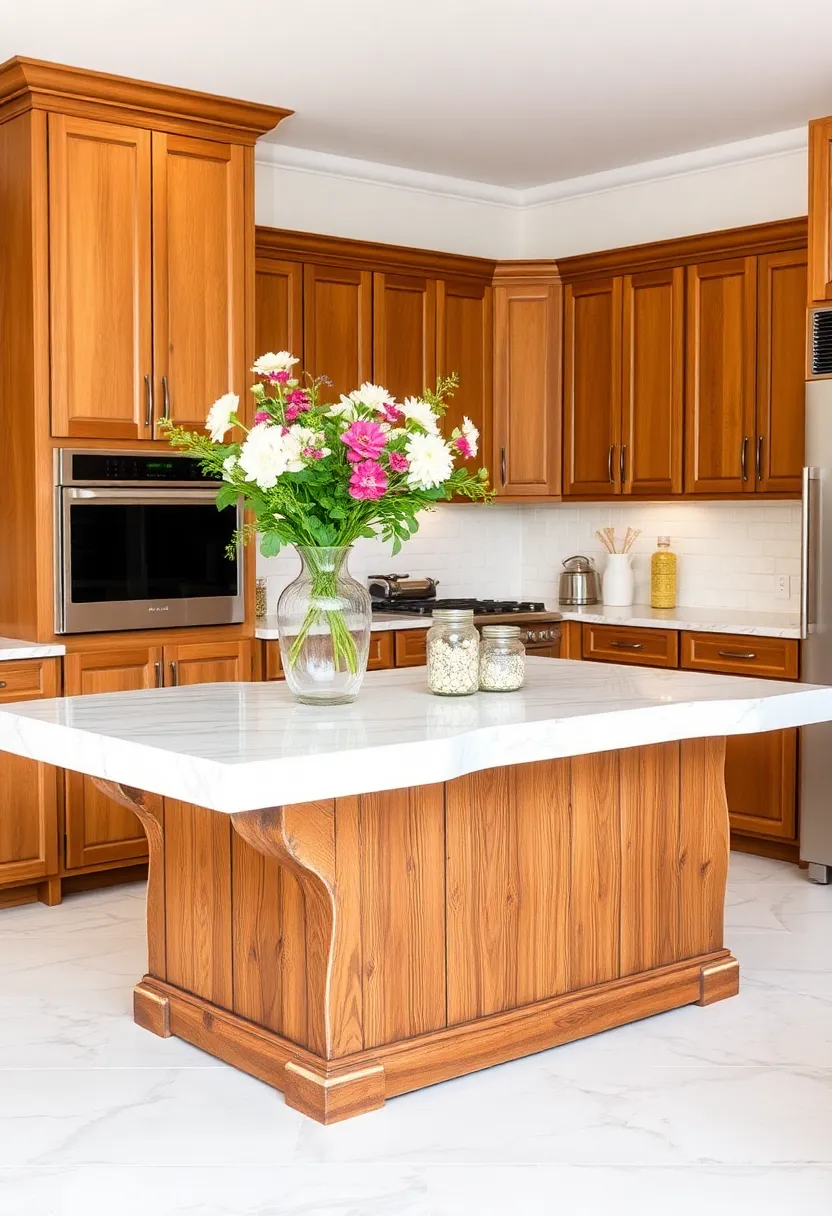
(782,590)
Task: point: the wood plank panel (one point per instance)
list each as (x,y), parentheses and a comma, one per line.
(595,894)
(404,333)
(507,883)
(198,901)
(649,857)
(268,943)
(403,912)
(703,846)
(346,998)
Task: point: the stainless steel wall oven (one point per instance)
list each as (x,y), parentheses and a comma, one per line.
(140,544)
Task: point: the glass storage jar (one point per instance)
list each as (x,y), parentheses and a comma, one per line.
(259,597)
(502,659)
(453,653)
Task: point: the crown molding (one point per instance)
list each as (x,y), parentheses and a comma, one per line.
(281,244)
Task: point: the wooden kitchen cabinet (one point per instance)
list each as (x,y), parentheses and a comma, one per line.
(820,210)
(464,345)
(337,326)
(199,292)
(100,279)
(761,784)
(527,418)
(652,382)
(28,790)
(278,307)
(208,662)
(781,371)
(592,319)
(404,333)
(99,830)
(721,376)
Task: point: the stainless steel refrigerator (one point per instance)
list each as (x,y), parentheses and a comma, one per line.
(816,603)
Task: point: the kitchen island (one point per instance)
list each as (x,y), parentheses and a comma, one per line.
(356,902)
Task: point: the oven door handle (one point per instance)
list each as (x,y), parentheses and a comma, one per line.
(135,497)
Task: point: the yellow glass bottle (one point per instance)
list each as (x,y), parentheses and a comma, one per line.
(663,576)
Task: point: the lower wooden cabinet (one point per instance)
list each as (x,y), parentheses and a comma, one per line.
(97,830)
(28,790)
(761,784)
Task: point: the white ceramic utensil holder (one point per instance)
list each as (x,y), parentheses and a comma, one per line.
(618,582)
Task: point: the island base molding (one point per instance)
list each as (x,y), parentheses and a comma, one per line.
(355,948)
(329,1091)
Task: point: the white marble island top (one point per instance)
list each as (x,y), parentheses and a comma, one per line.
(238,747)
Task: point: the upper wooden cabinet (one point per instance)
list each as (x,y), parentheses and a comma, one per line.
(278,307)
(820,211)
(721,376)
(591,387)
(464,345)
(199,315)
(100,278)
(337,326)
(527,419)
(781,371)
(404,333)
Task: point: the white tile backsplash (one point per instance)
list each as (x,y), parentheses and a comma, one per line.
(730,554)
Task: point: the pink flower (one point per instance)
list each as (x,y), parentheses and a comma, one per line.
(368,480)
(299,397)
(398,463)
(313,453)
(390,412)
(278,377)
(262,416)
(463,446)
(364,441)
(292,412)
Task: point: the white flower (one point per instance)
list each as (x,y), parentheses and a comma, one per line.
(373,396)
(416,410)
(345,409)
(431,462)
(264,456)
(229,464)
(470,434)
(279,361)
(218,419)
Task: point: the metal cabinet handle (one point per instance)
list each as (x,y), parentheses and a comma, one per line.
(148,401)
(628,645)
(744,458)
(174,673)
(621,463)
(2,683)
(165,398)
(759,458)
(502,466)
(610,455)
(736,654)
(157,668)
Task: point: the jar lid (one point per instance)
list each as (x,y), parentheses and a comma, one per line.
(453,616)
(664,542)
(506,632)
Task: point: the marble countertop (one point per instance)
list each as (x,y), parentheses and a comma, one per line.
(238,747)
(697,620)
(15,648)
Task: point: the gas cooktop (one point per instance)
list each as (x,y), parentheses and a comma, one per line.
(480,607)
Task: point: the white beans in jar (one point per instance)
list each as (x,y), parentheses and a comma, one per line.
(453,653)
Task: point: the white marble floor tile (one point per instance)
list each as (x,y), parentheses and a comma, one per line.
(726,1109)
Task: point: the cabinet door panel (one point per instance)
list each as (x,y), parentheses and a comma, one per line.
(721,374)
(337,326)
(781,371)
(761,783)
(820,210)
(199,225)
(99,265)
(463,345)
(404,334)
(208,662)
(278,307)
(98,829)
(592,388)
(652,382)
(526,419)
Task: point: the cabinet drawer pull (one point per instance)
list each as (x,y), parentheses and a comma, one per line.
(157,668)
(622,467)
(737,654)
(502,466)
(759,458)
(744,458)
(174,673)
(148,401)
(628,645)
(610,455)
(2,683)
(165,398)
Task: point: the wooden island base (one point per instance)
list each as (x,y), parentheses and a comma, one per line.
(351,950)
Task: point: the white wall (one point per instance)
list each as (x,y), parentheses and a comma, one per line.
(729,555)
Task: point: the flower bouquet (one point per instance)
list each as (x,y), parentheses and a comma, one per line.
(318,476)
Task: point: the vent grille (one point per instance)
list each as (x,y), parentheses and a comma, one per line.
(822,342)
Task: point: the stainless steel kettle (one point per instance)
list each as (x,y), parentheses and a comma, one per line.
(579,582)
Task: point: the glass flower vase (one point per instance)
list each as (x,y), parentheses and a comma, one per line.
(323,621)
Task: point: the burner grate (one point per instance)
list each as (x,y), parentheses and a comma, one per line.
(425,607)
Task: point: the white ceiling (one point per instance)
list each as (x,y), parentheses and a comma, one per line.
(512,92)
